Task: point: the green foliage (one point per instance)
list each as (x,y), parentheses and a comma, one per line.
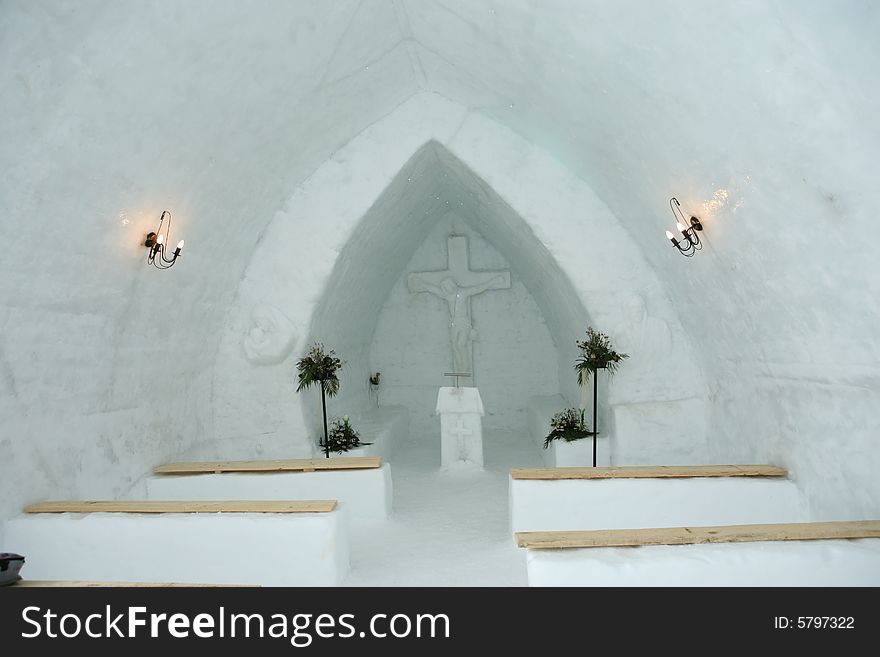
(596,354)
(319,367)
(567,425)
(342,436)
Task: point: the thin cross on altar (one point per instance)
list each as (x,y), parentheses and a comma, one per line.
(457,376)
(456,285)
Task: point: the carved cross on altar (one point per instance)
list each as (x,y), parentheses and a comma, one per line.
(460,432)
(456,285)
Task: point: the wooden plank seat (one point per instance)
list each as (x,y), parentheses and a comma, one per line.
(281,465)
(555,499)
(183,506)
(801,531)
(650,471)
(231,542)
(74,584)
(362,485)
(843,553)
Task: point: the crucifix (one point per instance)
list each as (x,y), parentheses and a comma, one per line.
(456,285)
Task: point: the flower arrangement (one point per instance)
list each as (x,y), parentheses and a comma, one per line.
(567,425)
(319,367)
(343,436)
(596,354)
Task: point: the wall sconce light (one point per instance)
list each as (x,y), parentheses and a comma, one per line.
(156,243)
(690,242)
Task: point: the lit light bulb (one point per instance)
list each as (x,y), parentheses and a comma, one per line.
(160,240)
(680,226)
(180,245)
(669,235)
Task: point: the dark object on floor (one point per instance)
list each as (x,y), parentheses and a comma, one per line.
(10,564)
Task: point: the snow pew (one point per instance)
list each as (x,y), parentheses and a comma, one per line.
(361,485)
(545,499)
(843,553)
(267,543)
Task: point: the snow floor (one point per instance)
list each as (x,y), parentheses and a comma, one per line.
(446,528)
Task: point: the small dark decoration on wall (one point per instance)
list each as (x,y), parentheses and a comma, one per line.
(374,386)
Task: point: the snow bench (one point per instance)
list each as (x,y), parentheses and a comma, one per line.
(361,485)
(539,411)
(801,554)
(650,496)
(384,427)
(269,543)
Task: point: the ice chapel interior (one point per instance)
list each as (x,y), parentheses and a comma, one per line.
(440,292)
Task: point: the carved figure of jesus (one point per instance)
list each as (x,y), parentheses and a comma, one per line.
(456,285)
(461,330)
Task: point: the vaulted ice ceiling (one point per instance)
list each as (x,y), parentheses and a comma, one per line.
(759,116)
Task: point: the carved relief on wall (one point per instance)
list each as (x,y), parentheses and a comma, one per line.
(270,336)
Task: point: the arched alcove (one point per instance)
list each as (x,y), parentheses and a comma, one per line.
(433,195)
(325,265)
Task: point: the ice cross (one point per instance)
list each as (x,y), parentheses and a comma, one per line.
(456,285)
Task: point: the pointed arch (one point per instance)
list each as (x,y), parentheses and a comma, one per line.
(393,228)
(331,255)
